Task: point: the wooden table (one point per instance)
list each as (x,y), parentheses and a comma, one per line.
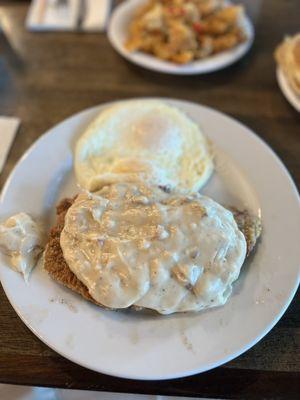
(45,78)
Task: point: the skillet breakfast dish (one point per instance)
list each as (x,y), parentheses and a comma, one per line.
(139,234)
(182,31)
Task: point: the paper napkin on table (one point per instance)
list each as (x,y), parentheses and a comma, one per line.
(68,15)
(8,129)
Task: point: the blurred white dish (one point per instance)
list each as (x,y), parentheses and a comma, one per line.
(287,91)
(145,346)
(118,31)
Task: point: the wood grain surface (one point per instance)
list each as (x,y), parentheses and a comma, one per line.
(45,78)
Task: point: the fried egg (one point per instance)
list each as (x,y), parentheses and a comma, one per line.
(143,140)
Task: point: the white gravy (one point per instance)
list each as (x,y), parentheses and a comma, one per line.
(137,245)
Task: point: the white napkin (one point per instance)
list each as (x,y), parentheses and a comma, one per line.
(68,15)
(18,392)
(8,129)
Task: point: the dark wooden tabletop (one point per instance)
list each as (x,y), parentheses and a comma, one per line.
(45,78)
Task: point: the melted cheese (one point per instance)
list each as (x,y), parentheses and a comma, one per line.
(136,245)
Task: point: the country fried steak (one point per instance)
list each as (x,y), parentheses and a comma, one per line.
(58,269)
(55,263)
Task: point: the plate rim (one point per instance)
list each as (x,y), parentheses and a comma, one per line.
(172,68)
(286,90)
(208,366)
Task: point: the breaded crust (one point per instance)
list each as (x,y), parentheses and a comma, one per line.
(249,225)
(58,269)
(54,262)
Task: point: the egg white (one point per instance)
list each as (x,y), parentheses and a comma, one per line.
(143,140)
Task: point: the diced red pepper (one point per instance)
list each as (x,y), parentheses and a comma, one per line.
(198,27)
(176,11)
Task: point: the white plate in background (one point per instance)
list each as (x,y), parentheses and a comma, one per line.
(287,91)
(142,346)
(118,31)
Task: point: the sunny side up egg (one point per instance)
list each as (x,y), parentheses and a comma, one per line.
(143,140)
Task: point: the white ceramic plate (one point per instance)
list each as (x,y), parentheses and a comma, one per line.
(118,31)
(134,345)
(287,91)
